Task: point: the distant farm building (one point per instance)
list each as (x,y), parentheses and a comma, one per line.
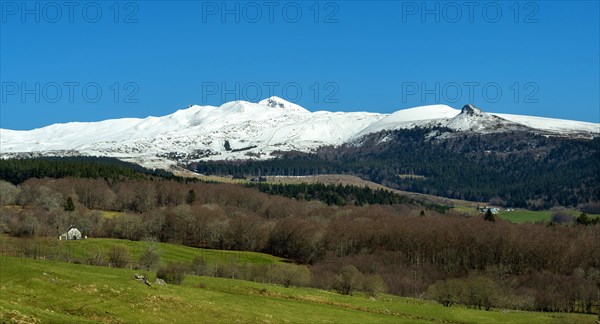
(71,234)
(484,210)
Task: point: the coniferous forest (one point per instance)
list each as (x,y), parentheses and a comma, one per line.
(19,170)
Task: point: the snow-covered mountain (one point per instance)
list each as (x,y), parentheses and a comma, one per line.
(245,130)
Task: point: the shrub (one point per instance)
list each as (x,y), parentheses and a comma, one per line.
(446,292)
(489,216)
(119,256)
(223,270)
(149,260)
(374,285)
(477,292)
(198,266)
(562,218)
(94,256)
(480,292)
(348,280)
(172,273)
(292,275)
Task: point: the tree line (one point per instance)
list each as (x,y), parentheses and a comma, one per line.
(18,170)
(341,195)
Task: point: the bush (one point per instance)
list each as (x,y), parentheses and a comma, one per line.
(94,256)
(584,219)
(292,275)
(489,216)
(478,292)
(374,285)
(446,292)
(149,260)
(173,273)
(348,280)
(119,256)
(562,218)
(198,266)
(223,270)
(8,193)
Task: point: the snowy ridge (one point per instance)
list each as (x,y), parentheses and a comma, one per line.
(409,118)
(245,130)
(553,124)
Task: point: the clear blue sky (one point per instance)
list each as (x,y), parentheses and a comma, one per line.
(361,56)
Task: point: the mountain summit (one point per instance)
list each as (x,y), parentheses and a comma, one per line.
(474,119)
(276,102)
(470,109)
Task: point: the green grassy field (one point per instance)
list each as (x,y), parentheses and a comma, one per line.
(80,249)
(520,216)
(56,292)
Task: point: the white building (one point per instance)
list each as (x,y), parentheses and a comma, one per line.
(71,234)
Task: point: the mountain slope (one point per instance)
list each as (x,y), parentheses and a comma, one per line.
(512,169)
(242,130)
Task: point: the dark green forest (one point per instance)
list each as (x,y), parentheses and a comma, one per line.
(343,195)
(339,195)
(18,170)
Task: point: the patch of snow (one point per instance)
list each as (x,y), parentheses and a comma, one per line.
(562,126)
(410,118)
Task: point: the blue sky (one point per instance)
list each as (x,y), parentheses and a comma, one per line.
(99,60)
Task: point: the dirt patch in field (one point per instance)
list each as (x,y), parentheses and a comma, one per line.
(14,316)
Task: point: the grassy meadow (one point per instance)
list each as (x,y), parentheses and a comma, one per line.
(519,216)
(81,249)
(41,291)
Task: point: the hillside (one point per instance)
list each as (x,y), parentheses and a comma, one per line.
(46,291)
(512,169)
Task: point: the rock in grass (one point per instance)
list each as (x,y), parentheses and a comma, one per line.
(142,278)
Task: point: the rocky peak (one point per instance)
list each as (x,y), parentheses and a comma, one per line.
(276,102)
(470,109)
